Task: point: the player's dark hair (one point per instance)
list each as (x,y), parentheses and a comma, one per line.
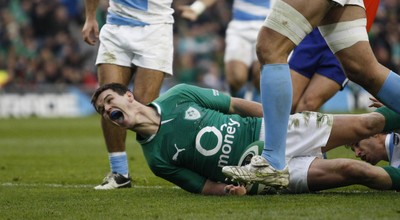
(116,87)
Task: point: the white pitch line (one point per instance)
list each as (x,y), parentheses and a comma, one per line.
(54,185)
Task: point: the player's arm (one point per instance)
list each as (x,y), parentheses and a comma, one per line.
(245,108)
(214,188)
(193,11)
(214,99)
(195,183)
(90,30)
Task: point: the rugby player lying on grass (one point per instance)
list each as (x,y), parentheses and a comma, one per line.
(379,147)
(189,134)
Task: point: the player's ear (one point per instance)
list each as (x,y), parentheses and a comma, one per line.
(129,94)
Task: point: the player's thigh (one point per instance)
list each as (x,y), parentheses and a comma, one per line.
(239,54)
(313,11)
(147,84)
(155,51)
(287,26)
(343,13)
(318,91)
(349,128)
(240,43)
(111,73)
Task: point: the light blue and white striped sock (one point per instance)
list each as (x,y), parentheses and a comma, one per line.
(119,163)
(389,94)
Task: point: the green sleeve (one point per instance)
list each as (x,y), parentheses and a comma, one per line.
(185,179)
(208,98)
(392,119)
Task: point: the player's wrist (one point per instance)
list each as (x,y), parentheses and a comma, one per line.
(235,190)
(226,190)
(198,7)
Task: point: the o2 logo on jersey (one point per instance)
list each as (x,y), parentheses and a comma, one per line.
(214,150)
(192,114)
(223,142)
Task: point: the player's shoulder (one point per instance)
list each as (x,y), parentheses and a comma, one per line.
(186,89)
(181,86)
(193,91)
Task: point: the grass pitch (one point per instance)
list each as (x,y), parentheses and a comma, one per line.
(48,168)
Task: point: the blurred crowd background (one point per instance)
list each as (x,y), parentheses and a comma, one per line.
(41,43)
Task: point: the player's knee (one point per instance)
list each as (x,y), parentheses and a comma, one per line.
(308,104)
(265,53)
(236,81)
(237,78)
(310,101)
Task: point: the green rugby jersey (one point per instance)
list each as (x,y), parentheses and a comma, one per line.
(197,137)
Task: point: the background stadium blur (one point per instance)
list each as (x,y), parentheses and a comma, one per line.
(47,70)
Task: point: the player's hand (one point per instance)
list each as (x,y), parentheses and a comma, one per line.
(187,13)
(235,190)
(90,31)
(375,103)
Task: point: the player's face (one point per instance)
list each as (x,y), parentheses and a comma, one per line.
(369,150)
(113,106)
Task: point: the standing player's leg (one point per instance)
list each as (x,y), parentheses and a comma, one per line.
(356,56)
(236,74)
(239,51)
(286,26)
(115,136)
(319,90)
(276,40)
(299,85)
(143,91)
(316,73)
(276,99)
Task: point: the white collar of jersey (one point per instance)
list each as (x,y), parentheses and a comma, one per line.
(158,109)
(393,149)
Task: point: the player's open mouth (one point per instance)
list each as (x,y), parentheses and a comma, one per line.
(117,116)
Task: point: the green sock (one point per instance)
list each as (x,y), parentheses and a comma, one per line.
(392,119)
(394,174)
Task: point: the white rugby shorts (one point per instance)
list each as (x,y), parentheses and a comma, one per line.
(240,41)
(307,133)
(148,46)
